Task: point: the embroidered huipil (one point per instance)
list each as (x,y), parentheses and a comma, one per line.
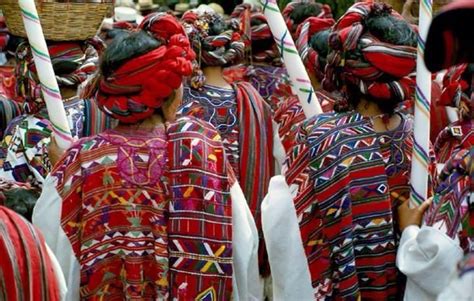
(340,173)
(265,79)
(218,106)
(429,256)
(23,152)
(244,121)
(148,215)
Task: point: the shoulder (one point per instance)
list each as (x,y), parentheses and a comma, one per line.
(70,163)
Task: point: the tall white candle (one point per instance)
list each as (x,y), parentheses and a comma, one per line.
(299,77)
(420,158)
(49,85)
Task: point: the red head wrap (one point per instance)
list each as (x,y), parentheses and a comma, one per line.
(81,58)
(309,55)
(260,31)
(290,7)
(380,69)
(453,91)
(141,85)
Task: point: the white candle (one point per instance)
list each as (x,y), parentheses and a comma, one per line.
(49,85)
(300,81)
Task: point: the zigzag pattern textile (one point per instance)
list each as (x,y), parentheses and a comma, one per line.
(348,179)
(23,151)
(149,214)
(452,211)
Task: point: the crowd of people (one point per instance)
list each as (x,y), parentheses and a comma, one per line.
(195,174)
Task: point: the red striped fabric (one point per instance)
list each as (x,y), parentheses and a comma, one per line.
(26,271)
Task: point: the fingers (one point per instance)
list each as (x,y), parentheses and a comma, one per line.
(425,205)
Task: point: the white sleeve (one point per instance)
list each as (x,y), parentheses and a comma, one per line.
(460,288)
(288,263)
(47,217)
(247,282)
(278,149)
(59,274)
(428,258)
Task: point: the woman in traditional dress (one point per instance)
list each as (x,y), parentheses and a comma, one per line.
(23,153)
(351,169)
(237,111)
(431,256)
(458,84)
(312,44)
(149,210)
(28,269)
(264,68)
(9,108)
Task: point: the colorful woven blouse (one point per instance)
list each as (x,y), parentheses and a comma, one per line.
(148,213)
(218,106)
(452,210)
(347,180)
(23,152)
(244,122)
(458,135)
(265,79)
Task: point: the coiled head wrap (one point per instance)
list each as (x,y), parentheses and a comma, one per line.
(314,61)
(140,85)
(296,12)
(373,48)
(256,29)
(215,41)
(73,63)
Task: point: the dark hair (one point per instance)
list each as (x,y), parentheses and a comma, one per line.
(13,43)
(391,29)
(22,201)
(125,47)
(354,96)
(320,43)
(115,33)
(302,11)
(217,26)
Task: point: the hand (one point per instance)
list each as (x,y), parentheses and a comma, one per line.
(54,151)
(411,216)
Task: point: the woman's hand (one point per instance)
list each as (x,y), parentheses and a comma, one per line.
(55,152)
(411,216)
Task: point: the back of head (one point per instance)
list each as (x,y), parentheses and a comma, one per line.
(296,12)
(141,70)
(73,64)
(313,44)
(373,55)
(256,29)
(216,42)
